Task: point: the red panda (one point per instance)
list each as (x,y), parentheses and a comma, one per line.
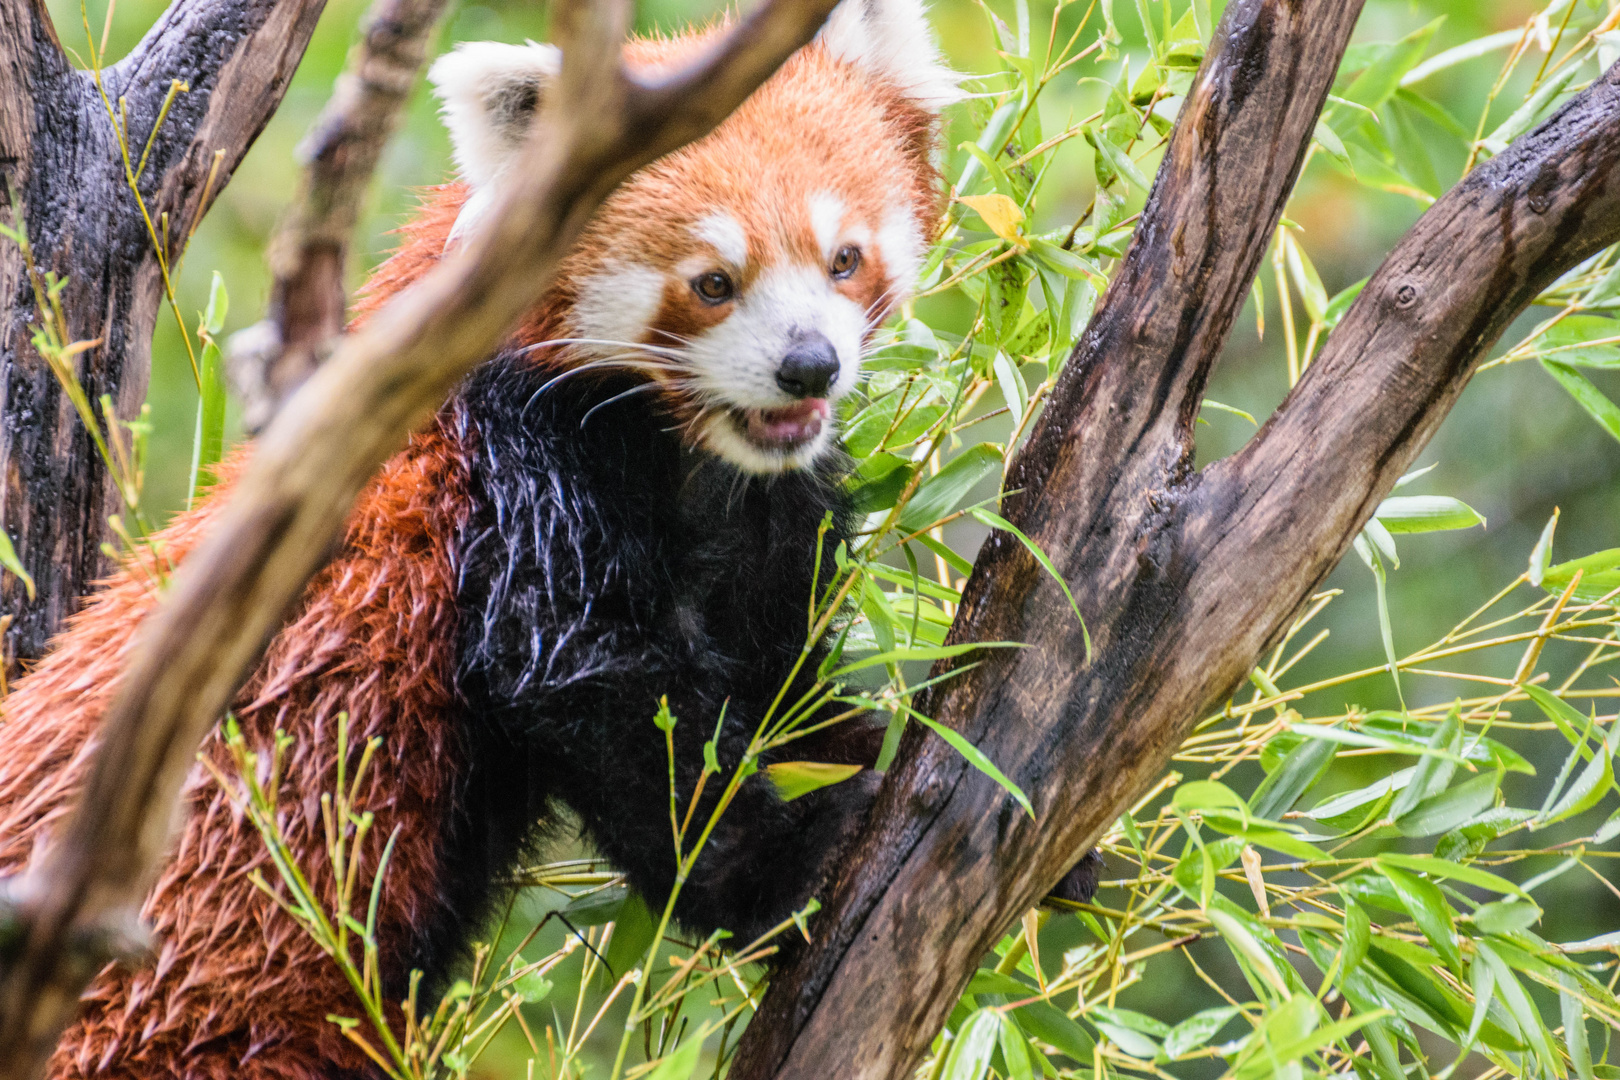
(622,505)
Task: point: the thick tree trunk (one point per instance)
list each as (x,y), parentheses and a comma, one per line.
(60,162)
(1184,577)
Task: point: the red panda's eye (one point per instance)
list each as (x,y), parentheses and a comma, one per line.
(714,287)
(846,261)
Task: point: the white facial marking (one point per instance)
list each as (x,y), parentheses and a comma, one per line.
(827,219)
(900,243)
(617,304)
(733,365)
(722,232)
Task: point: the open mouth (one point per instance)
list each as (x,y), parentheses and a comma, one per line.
(785,429)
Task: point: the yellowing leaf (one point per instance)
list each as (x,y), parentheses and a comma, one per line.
(796,778)
(999,212)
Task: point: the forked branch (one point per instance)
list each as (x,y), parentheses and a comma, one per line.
(1184,577)
(226,600)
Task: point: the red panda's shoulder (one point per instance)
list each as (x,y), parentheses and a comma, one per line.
(423,239)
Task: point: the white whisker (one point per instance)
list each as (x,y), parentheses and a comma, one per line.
(634,346)
(638,388)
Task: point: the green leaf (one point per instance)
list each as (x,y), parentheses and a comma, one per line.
(1574,1017)
(1467,841)
(1446,811)
(1015,1050)
(976,758)
(532,987)
(1426,513)
(1382,77)
(1341,303)
(939,495)
(1587,790)
(1586,395)
(684,1061)
(1433,772)
(1306,279)
(1247,946)
(878,481)
(990,142)
(1386,630)
(1211,403)
(1010,382)
(996,521)
(1600,575)
(1296,775)
(975,1042)
(1196,1030)
(208,439)
(1440,868)
(9,560)
(1541,554)
(1427,905)
(596,908)
(794,779)
(1583,341)
(1357,937)
(1376,740)
(1506,916)
(920,652)
(1051,1026)
(633,932)
(1117,158)
(1525,116)
(1519,1006)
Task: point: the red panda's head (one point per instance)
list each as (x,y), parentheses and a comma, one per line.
(744,274)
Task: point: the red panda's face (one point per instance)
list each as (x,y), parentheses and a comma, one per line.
(744,275)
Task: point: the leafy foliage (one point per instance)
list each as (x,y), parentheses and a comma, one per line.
(1331,886)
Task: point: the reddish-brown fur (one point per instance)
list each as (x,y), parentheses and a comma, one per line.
(236,988)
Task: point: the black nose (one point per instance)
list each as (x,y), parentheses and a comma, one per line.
(810,366)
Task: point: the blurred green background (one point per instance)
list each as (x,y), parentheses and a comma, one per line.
(1514,448)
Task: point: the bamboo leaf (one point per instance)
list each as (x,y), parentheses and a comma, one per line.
(13,565)
(996,521)
(1442,868)
(976,758)
(1586,395)
(975,1042)
(794,779)
(1426,513)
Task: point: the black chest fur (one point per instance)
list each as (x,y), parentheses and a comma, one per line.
(605,567)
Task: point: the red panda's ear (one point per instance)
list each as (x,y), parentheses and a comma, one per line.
(892,40)
(489,94)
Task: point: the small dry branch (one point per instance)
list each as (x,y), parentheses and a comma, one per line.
(309,254)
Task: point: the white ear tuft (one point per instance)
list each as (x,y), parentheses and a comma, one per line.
(892,39)
(490,92)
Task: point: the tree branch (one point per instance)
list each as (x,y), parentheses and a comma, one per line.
(1184,577)
(68,174)
(309,253)
(226,600)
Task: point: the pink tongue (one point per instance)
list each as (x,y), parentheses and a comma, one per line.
(790,424)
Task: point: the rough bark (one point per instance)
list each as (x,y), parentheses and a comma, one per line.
(1185,577)
(60,161)
(288,509)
